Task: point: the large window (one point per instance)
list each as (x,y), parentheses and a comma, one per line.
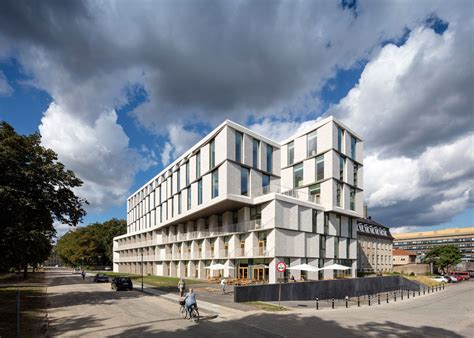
(352,198)
(244,181)
(291,153)
(255,152)
(189,199)
(356,173)
(322,246)
(338,194)
(298,175)
(187,173)
(315,193)
(265,182)
(342,163)
(269,158)
(320,168)
(350,229)
(312,143)
(215,183)
(212,154)
(179,203)
(340,138)
(336,247)
(338,225)
(256,213)
(198,164)
(315,221)
(178,178)
(200,192)
(238,146)
(353,147)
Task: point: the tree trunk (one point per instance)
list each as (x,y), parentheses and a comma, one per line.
(25,271)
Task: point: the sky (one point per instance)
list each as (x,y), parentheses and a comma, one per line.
(119,89)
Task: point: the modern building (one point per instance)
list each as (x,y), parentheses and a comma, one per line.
(422,242)
(240,199)
(374,247)
(403,257)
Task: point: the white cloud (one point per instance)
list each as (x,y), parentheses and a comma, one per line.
(5,88)
(403,229)
(180,140)
(279,130)
(98,153)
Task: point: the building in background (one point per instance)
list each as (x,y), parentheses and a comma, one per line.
(242,200)
(403,257)
(53,259)
(422,242)
(374,247)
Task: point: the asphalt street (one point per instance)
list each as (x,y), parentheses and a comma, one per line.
(83,308)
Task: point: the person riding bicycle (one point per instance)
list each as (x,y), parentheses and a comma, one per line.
(190,300)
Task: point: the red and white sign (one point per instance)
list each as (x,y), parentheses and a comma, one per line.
(281,266)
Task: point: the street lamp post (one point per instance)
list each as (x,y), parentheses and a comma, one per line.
(141,266)
(99,259)
(82,263)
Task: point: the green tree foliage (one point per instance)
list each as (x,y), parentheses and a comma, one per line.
(35,191)
(89,243)
(443,257)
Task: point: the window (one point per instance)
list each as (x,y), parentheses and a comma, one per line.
(320,168)
(315,193)
(338,194)
(312,143)
(215,183)
(336,247)
(342,163)
(291,153)
(350,228)
(198,164)
(235,217)
(326,223)
(322,246)
(269,158)
(298,175)
(238,146)
(178,178)
(179,203)
(244,181)
(212,154)
(256,213)
(172,206)
(353,147)
(338,225)
(352,196)
(356,170)
(340,136)
(265,182)
(219,220)
(255,148)
(200,192)
(187,173)
(189,198)
(315,220)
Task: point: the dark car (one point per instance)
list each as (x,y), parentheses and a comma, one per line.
(122,283)
(101,278)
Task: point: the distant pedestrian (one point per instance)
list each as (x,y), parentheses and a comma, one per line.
(181,287)
(223,282)
(83,274)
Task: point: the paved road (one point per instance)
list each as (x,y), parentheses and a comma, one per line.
(89,310)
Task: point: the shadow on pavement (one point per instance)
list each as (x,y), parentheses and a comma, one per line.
(59,300)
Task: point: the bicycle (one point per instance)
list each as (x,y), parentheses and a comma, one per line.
(193,313)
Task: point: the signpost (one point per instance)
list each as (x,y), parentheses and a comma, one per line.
(280,267)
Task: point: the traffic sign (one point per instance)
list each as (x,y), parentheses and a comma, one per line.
(281,267)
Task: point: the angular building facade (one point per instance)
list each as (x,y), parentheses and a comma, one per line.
(240,199)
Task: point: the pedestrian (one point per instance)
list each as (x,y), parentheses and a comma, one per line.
(223,282)
(181,287)
(83,274)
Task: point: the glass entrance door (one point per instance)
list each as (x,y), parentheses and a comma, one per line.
(243,272)
(259,274)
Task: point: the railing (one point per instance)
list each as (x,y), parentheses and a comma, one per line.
(135,245)
(295,193)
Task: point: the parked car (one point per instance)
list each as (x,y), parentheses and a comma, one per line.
(440,279)
(108,268)
(452,279)
(76,271)
(463,274)
(101,278)
(122,283)
(471,273)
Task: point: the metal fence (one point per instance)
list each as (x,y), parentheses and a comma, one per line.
(327,289)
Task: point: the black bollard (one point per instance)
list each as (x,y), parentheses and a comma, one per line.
(402,295)
(358,301)
(408,294)
(419,291)
(413,293)
(317,303)
(333,303)
(395,296)
(428,290)
(369,300)
(347,301)
(387,297)
(443,286)
(378,298)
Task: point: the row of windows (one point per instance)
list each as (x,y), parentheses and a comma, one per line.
(255,151)
(437,241)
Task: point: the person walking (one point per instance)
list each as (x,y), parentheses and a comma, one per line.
(83,274)
(223,282)
(181,287)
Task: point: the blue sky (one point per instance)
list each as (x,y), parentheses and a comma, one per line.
(119,93)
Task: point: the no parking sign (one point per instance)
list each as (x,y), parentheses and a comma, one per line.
(281,267)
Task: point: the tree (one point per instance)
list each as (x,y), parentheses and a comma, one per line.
(35,191)
(443,257)
(91,242)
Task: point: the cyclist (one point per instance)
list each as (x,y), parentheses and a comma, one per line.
(190,300)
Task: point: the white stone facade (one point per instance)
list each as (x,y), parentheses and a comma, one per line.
(236,198)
